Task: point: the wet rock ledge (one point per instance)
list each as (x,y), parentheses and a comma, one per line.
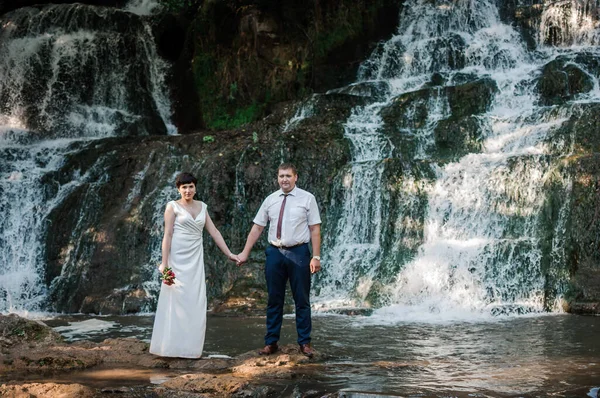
(33,357)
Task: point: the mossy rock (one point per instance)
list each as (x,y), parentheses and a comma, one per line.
(403,116)
(408,110)
(375,90)
(581,131)
(589,62)
(335,107)
(562,81)
(584,233)
(471,98)
(457,137)
(450,52)
(19,330)
(407,182)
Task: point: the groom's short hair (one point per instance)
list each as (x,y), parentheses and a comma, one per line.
(287,166)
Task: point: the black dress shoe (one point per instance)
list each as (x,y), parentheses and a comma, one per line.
(269,349)
(307,350)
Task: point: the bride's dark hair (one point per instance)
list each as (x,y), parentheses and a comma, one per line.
(185,178)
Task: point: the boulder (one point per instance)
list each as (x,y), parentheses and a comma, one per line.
(471,98)
(375,90)
(561,81)
(456,137)
(127,300)
(589,62)
(15,330)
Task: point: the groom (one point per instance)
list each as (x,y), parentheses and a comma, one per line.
(294,220)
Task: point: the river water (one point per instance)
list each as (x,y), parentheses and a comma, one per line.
(527,356)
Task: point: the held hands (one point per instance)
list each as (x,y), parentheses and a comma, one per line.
(242,258)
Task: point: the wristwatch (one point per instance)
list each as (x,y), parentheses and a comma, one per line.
(317,257)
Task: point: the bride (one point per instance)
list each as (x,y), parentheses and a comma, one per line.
(180,321)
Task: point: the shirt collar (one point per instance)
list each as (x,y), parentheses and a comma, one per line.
(292,192)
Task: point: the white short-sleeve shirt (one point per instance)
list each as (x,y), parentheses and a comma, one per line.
(300,211)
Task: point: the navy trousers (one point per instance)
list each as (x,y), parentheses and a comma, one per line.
(282,265)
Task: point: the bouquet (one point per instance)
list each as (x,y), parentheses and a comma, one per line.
(168,276)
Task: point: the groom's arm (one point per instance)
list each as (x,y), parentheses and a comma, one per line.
(315,239)
(253,236)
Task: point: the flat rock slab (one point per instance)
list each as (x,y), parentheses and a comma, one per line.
(32,348)
(46,390)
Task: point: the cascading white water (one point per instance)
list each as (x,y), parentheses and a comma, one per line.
(405,63)
(68,74)
(481,252)
(570,22)
(357,249)
(304,110)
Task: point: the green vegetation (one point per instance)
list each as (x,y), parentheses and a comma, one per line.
(18,332)
(327,41)
(221,112)
(241,116)
(346,23)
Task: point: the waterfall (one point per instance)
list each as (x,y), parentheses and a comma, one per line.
(69,74)
(570,22)
(81,71)
(304,110)
(481,251)
(360,245)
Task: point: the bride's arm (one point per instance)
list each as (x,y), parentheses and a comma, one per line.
(166,242)
(218,238)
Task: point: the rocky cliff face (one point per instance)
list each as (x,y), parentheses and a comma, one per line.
(584,227)
(102,236)
(238,59)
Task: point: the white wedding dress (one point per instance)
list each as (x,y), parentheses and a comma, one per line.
(180,321)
